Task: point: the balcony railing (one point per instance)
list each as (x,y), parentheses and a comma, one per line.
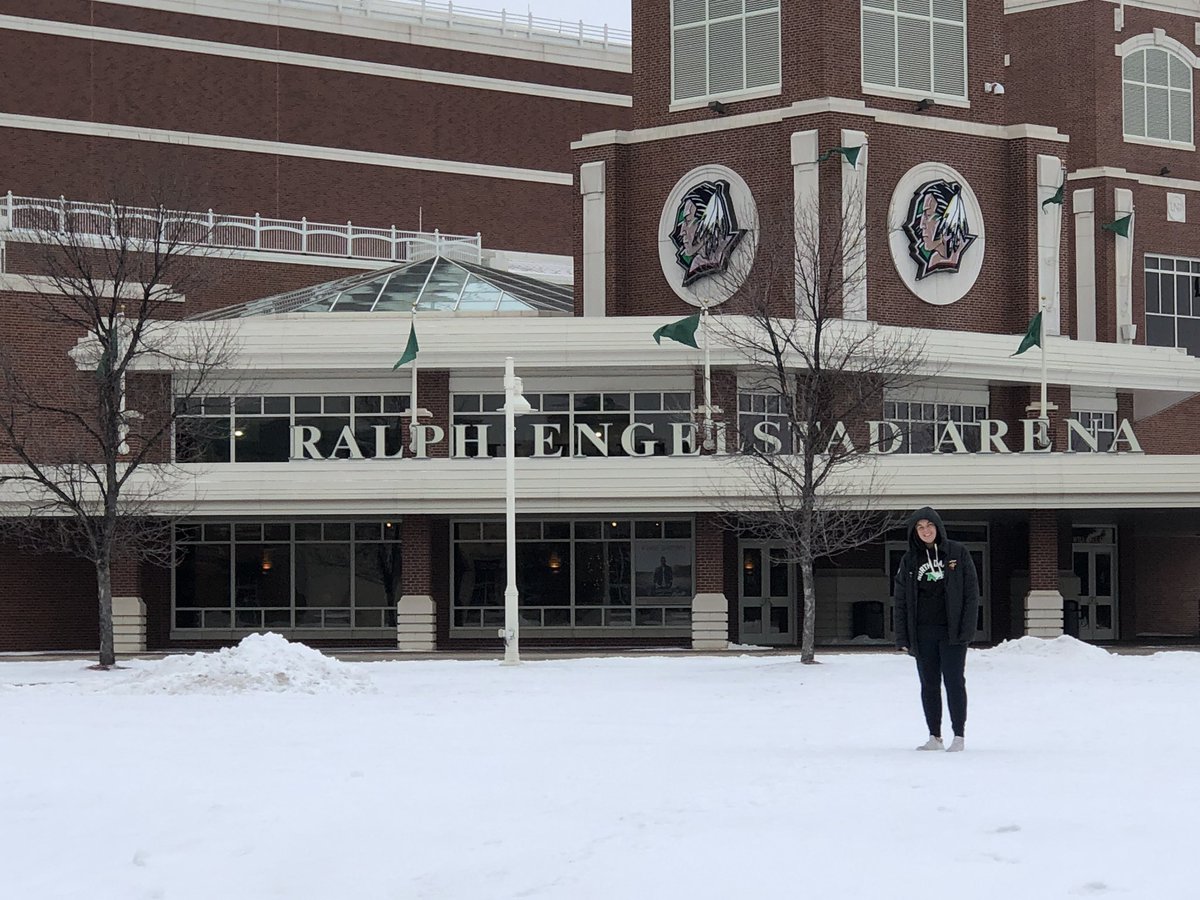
(247,233)
(483,21)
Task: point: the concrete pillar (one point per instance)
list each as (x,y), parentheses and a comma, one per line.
(129,625)
(1044,602)
(710,622)
(416,623)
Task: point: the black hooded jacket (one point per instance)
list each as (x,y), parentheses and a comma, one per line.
(962,584)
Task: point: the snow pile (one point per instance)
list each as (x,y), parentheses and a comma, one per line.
(1062,647)
(260,663)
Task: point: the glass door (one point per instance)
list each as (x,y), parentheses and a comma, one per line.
(767,599)
(1095,566)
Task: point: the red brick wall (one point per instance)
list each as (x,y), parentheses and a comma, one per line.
(1166,553)
(1043,549)
(415,571)
(47,602)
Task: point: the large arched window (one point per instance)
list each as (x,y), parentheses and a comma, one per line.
(1157,96)
(724,48)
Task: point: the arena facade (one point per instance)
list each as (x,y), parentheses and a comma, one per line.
(559,196)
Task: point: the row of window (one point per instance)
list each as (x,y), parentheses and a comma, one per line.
(727,48)
(567,424)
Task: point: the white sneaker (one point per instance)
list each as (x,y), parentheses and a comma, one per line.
(956,745)
(934,743)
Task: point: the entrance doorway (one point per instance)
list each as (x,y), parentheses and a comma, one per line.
(1094,560)
(767,598)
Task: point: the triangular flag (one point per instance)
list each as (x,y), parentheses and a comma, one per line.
(683,331)
(1057,198)
(850,154)
(1120,226)
(1033,335)
(410,350)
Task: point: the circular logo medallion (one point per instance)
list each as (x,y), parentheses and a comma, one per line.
(706,235)
(935,229)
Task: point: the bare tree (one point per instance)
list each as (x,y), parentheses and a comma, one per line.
(90,452)
(813,482)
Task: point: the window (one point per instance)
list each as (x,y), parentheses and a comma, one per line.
(922,425)
(611,573)
(1157,96)
(723,47)
(574,424)
(756,408)
(1100,425)
(328,576)
(259,429)
(919,46)
(1173,303)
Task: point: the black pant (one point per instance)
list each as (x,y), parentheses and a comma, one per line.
(938,660)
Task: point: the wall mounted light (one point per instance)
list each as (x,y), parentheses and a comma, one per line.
(1164,171)
(748,563)
(718,107)
(993,87)
(266,565)
(555,563)
(924,104)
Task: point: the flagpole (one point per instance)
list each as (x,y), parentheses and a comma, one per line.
(708,435)
(412,393)
(1042,341)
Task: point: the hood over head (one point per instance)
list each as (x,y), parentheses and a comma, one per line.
(910,527)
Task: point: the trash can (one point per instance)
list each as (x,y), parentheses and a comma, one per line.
(867,618)
(1071,618)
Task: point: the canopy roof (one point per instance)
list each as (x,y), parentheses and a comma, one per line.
(431,285)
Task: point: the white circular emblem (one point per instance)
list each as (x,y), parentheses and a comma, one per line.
(706,235)
(935,229)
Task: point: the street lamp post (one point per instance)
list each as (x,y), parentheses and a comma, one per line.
(515,404)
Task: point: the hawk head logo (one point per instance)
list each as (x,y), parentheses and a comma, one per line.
(706,231)
(937,227)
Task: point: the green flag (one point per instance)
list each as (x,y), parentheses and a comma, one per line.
(1033,335)
(1120,226)
(1057,198)
(683,331)
(850,154)
(410,350)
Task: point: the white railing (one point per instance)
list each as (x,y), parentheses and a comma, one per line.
(251,233)
(468,18)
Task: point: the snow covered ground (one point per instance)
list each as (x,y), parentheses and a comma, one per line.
(270,771)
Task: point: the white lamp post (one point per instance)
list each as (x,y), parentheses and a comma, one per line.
(515,405)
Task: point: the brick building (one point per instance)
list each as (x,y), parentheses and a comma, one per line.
(934,139)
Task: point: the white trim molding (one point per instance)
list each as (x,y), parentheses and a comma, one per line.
(593,187)
(1050,176)
(806,197)
(1163,181)
(1159,38)
(836,105)
(1083,205)
(1123,262)
(280,148)
(307,60)
(854,207)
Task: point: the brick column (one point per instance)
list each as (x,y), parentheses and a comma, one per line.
(416,620)
(129,609)
(710,608)
(1044,602)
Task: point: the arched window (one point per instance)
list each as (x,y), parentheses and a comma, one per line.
(724,48)
(1157,96)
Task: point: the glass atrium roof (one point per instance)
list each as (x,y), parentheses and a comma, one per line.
(431,285)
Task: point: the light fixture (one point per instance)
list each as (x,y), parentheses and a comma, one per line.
(515,404)
(266,564)
(748,564)
(993,87)
(924,104)
(554,562)
(238,433)
(718,107)
(1164,171)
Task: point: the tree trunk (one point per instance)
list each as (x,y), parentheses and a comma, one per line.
(808,632)
(108,656)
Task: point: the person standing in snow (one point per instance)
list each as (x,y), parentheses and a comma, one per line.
(936,594)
